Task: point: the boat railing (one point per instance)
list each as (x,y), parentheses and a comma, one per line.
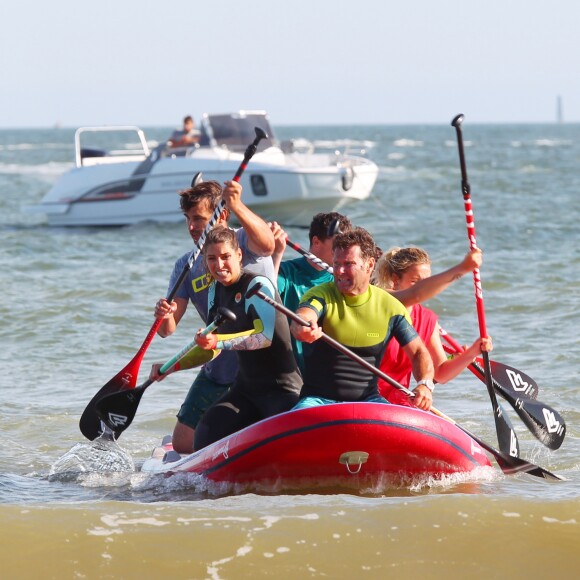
(340,152)
(85,156)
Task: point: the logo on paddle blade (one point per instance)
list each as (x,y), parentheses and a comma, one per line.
(117,420)
(513,444)
(551,422)
(517,381)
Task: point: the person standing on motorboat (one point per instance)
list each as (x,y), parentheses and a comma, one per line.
(268,381)
(185,137)
(363,318)
(400,269)
(256,242)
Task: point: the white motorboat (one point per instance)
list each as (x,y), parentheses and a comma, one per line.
(288,182)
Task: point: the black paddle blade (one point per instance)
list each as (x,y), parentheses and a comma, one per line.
(513,379)
(546,424)
(506,435)
(117,410)
(513,465)
(90,423)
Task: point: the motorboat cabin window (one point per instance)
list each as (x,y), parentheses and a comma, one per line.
(258,185)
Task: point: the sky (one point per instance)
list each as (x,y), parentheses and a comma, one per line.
(307,62)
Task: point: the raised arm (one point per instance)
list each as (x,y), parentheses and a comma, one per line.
(171,313)
(279,244)
(429,287)
(448,368)
(260,237)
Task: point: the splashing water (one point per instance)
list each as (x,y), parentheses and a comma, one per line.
(98,456)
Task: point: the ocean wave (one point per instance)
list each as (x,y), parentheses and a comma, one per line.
(408,143)
(52,168)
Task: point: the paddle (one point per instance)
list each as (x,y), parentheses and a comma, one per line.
(117,410)
(545,423)
(506,436)
(507,463)
(126,378)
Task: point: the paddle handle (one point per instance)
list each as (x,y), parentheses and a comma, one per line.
(250,151)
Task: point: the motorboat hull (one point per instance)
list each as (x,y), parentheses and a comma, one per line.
(122,189)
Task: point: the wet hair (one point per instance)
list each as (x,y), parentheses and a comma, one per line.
(356,237)
(321,222)
(395,262)
(220,235)
(211,191)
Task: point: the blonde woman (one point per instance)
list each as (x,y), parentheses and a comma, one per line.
(397,270)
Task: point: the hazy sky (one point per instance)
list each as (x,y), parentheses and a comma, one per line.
(305,61)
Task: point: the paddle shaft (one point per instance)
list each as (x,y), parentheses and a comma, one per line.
(250,151)
(506,435)
(333,229)
(470,222)
(193,344)
(333,342)
(507,463)
(309,255)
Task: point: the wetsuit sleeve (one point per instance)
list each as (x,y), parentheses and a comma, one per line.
(315,299)
(402,329)
(264,320)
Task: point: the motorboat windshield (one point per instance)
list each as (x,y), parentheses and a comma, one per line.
(234,131)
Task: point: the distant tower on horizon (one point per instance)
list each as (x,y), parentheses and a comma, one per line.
(559,113)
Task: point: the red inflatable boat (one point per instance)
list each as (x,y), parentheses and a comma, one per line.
(345,445)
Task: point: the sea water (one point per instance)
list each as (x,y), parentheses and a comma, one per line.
(76,303)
